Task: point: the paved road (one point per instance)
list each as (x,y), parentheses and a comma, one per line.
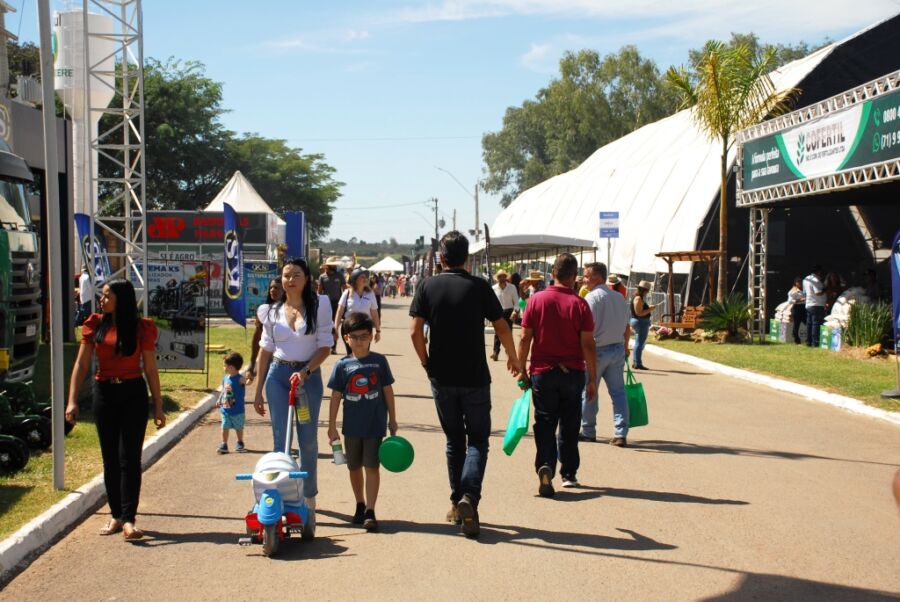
(732,492)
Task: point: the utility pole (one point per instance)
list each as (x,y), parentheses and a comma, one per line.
(435,201)
(454,219)
(477,222)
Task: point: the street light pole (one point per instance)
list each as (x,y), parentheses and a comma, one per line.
(475,197)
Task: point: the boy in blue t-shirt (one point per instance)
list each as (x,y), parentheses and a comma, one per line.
(364,381)
(231,403)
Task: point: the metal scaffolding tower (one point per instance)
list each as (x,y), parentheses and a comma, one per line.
(121,178)
(759,235)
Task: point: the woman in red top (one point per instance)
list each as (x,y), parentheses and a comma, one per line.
(125,345)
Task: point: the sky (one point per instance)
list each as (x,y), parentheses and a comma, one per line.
(395,94)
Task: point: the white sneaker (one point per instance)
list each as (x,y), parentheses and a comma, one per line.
(309,529)
(569,483)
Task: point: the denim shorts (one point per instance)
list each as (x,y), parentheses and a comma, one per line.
(234,422)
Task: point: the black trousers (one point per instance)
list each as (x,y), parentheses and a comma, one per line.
(507,315)
(120,411)
(557,418)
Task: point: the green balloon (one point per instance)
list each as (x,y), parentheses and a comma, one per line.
(396,454)
(522,303)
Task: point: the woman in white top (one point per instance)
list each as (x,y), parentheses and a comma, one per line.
(296,339)
(358,298)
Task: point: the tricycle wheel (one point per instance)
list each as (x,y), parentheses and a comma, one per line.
(270,540)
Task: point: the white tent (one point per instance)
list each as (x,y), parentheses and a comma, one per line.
(388,264)
(662,179)
(240,194)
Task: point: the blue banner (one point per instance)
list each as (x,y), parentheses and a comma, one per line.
(295,233)
(93,246)
(895,288)
(233,277)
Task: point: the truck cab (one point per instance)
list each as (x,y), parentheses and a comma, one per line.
(20,278)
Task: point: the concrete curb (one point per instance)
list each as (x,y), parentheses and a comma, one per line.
(23,546)
(845,403)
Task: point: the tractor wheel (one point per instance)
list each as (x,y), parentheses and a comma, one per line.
(270,540)
(35,432)
(13,457)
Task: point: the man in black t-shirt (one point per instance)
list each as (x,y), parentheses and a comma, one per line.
(455,305)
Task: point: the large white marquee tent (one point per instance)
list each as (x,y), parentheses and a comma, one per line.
(662,179)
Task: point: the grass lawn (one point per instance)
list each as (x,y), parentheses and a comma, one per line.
(29,492)
(841,373)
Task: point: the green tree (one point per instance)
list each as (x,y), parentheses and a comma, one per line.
(287,179)
(728,89)
(185,139)
(784,53)
(593,102)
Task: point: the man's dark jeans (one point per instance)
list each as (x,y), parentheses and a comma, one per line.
(507,315)
(465,416)
(815,317)
(557,405)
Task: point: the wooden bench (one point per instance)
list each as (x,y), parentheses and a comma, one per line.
(686,320)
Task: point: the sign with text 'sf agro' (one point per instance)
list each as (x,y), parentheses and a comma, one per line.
(609,224)
(865,133)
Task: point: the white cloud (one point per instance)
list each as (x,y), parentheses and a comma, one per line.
(540,58)
(770,19)
(353,35)
(324,42)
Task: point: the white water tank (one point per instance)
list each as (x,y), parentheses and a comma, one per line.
(70,84)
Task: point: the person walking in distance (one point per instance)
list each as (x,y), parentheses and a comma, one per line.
(611,334)
(509,301)
(125,345)
(640,322)
(332,284)
(557,330)
(455,305)
(814,291)
(359,298)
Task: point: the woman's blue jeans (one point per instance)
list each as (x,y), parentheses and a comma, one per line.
(641,328)
(278,387)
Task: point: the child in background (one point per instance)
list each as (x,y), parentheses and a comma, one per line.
(364,381)
(231,403)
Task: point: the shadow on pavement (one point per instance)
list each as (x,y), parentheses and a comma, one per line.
(586,492)
(755,586)
(155,539)
(678,447)
(558,540)
(659,372)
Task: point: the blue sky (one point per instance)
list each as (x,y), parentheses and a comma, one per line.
(390,90)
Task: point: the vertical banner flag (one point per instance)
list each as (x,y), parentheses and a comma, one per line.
(895,288)
(295,233)
(233,277)
(93,246)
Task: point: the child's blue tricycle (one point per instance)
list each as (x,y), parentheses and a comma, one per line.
(280,509)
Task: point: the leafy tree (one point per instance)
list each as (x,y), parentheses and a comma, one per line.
(185,139)
(728,89)
(784,53)
(593,102)
(287,179)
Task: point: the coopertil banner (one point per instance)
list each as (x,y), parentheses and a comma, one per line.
(862,134)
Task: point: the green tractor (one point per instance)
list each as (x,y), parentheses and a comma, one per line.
(24,422)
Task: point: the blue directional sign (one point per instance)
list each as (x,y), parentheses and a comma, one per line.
(609,224)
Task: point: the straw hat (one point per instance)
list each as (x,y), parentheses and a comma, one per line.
(535,275)
(613,279)
(645,285)
(333,261)
(501,272)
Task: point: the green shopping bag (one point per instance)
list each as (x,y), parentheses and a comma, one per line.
(518,422)
(637,403)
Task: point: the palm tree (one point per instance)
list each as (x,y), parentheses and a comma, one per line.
(728,89)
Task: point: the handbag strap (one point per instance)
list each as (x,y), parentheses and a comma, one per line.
(629,375)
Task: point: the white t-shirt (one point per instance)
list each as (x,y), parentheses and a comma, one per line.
(814,291)
(294,345)
(85,288)
(353,303)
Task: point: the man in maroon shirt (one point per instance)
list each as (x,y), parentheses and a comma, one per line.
(557,330)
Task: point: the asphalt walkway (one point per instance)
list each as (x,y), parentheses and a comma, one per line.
(732,492)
